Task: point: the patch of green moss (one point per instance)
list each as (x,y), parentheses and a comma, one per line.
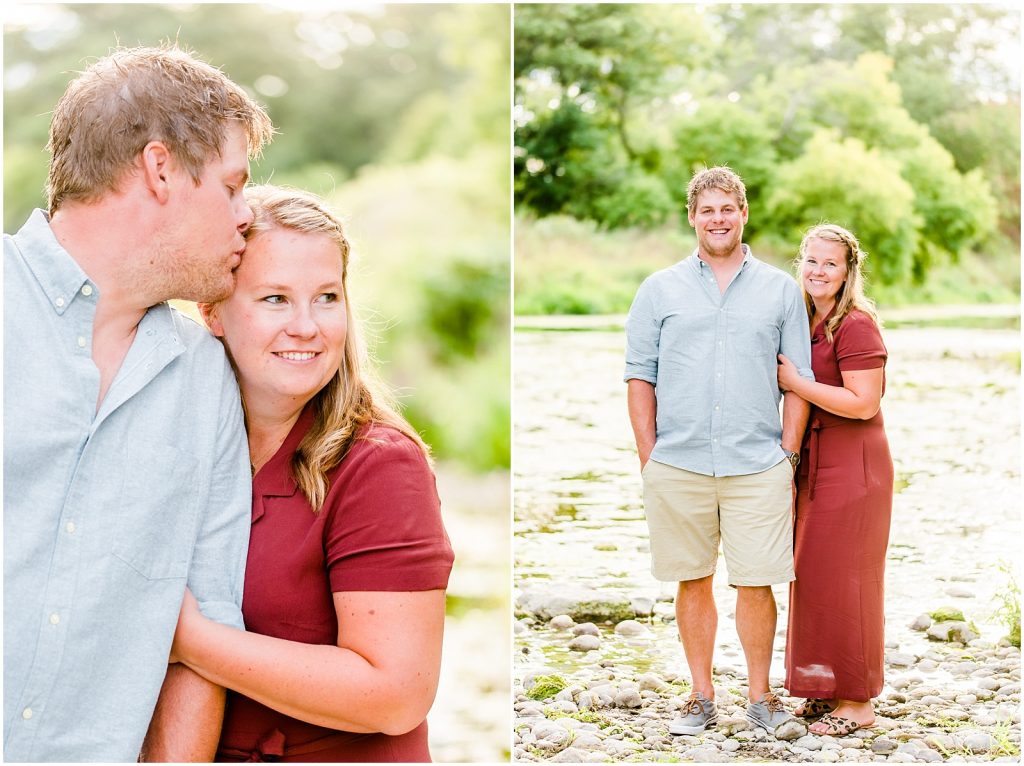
(545,687)
(947,614)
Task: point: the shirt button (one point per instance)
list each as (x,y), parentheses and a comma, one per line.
(81,341)
(70,527)
(54,618)
(717,407)
(59,303)
(86,290)
(26,713)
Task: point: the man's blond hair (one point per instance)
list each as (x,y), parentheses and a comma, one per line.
(721,178)
(134,96)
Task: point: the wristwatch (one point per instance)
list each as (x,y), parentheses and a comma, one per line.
(793,458)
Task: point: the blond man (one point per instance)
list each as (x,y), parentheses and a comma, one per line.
(717,464)
(126,473)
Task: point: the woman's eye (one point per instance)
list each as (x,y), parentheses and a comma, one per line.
(274,299)
(328,298)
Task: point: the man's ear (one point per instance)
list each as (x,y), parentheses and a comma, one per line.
(212,318)
(155,160)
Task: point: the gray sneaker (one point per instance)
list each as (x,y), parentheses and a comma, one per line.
(768,713)
(698,713)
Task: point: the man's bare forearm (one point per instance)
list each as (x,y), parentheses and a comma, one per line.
(643,412)
(187,720)
(795,412)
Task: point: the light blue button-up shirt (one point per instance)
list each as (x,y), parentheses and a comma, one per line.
(108,514)
(712,358)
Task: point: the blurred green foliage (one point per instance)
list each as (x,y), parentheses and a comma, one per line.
(398,114)
(901,122)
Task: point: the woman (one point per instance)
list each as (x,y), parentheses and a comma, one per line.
(835,644)
(348,559)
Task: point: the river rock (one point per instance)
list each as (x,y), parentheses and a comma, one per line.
(549,736)
(947,614)
(732,725)
(900,757)
(978,742)
(593,699)
(808,742)
(586,629)
(790,730)
(959,591)
(631,628)
(921,622)
(578,602)
(826,756)
(652,682)
(561,706)
(642,606)
(900,659)
(569,755)
(628,698)
(951,630)
(883,746)
(585,643)
(561,622)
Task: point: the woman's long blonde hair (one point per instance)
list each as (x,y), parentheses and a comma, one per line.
(851,294)
(354,396)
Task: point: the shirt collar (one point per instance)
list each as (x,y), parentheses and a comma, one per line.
(58,274)
(275,478)
(748,256)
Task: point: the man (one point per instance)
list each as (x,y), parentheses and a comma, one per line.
(126,472)
(702,339)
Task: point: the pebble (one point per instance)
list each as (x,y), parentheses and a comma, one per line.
(585,643)
(628,698)
(631,628)
(883,746)
(652,682)
(921,622)
(562,622)
(900,659)
(586,629)
(791,730)
(978,742)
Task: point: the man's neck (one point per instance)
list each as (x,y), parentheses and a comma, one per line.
(96,238)
(726,261)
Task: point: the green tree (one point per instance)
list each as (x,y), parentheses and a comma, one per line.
(844,182)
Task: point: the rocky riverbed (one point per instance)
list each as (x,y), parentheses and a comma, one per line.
(599,671)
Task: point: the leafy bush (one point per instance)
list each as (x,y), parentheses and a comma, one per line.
(842,181)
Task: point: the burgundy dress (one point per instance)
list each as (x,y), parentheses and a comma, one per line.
(836,639)
(380,529)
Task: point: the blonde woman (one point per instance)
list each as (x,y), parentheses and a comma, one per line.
(348,559)
(835,644)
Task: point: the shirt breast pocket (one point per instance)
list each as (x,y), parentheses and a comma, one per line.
(755,335)
(156,518)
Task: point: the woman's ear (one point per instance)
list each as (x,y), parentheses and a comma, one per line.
(211,316)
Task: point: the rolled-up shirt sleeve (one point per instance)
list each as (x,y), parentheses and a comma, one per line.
(217,573)
(795,343)
(643,333)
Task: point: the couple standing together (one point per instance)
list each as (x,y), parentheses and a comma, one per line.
(156,470)
(713,343)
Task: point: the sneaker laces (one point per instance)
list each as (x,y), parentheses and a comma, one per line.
(692,706)
(772,702)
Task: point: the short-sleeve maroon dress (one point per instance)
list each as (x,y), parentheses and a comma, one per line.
(836,638)
(380,529)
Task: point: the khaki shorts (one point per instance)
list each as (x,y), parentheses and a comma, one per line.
(689,513)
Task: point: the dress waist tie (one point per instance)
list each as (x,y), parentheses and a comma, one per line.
(819,421)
